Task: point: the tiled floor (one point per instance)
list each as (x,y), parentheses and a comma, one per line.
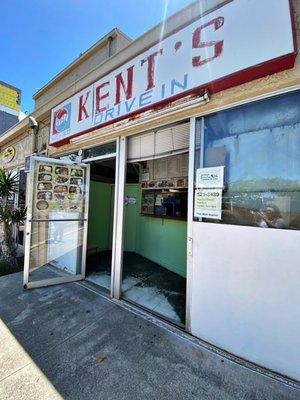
(144,283)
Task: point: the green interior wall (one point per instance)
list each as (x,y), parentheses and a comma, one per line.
(160,240)
(131,218)
(100,215)
(164,242)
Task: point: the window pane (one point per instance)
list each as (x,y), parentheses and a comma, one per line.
(259,147)
(55,247)
(104,149)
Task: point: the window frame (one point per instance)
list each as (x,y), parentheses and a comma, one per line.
(200,120)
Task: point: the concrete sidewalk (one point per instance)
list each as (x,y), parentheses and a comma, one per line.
(68,342)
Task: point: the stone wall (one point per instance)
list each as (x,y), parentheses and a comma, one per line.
(23,147)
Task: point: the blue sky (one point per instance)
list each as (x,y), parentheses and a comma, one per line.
(38,38)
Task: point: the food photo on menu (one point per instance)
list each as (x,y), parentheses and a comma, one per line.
(62,171)
(44,195)
(76,172)
(44,186)
(45,168)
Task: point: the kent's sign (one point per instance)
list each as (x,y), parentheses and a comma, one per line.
(238,41)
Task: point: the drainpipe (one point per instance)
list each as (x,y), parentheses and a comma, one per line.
(110,40)
(34,132)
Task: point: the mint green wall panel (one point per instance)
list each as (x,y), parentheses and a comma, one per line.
(164,242)
(112,202)
(161,240)
(100,215)
(131,217)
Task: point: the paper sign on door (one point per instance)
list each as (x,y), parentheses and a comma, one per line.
(208,203)
(210,177)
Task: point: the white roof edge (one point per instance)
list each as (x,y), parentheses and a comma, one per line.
(100,43)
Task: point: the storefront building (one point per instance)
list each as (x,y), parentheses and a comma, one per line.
(170,176)
(10,99)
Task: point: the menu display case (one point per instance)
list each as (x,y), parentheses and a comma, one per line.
(58,189)
(164,187)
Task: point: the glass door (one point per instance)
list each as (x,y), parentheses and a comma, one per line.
(56,224)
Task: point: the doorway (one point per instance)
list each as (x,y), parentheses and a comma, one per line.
(100,228)
(155,223)
(99,260)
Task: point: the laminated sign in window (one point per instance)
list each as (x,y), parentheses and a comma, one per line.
(208,193)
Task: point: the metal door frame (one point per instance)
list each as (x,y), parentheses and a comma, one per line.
(117,230)
(118,224)
(190,211)
(119,217)
(28,228)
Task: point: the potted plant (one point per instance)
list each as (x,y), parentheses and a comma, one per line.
(9,217)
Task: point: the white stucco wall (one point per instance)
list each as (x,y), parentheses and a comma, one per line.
(245,293)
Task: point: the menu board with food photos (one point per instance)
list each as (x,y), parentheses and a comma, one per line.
(58,188)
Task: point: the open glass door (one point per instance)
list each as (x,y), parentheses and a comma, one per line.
(56,225)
